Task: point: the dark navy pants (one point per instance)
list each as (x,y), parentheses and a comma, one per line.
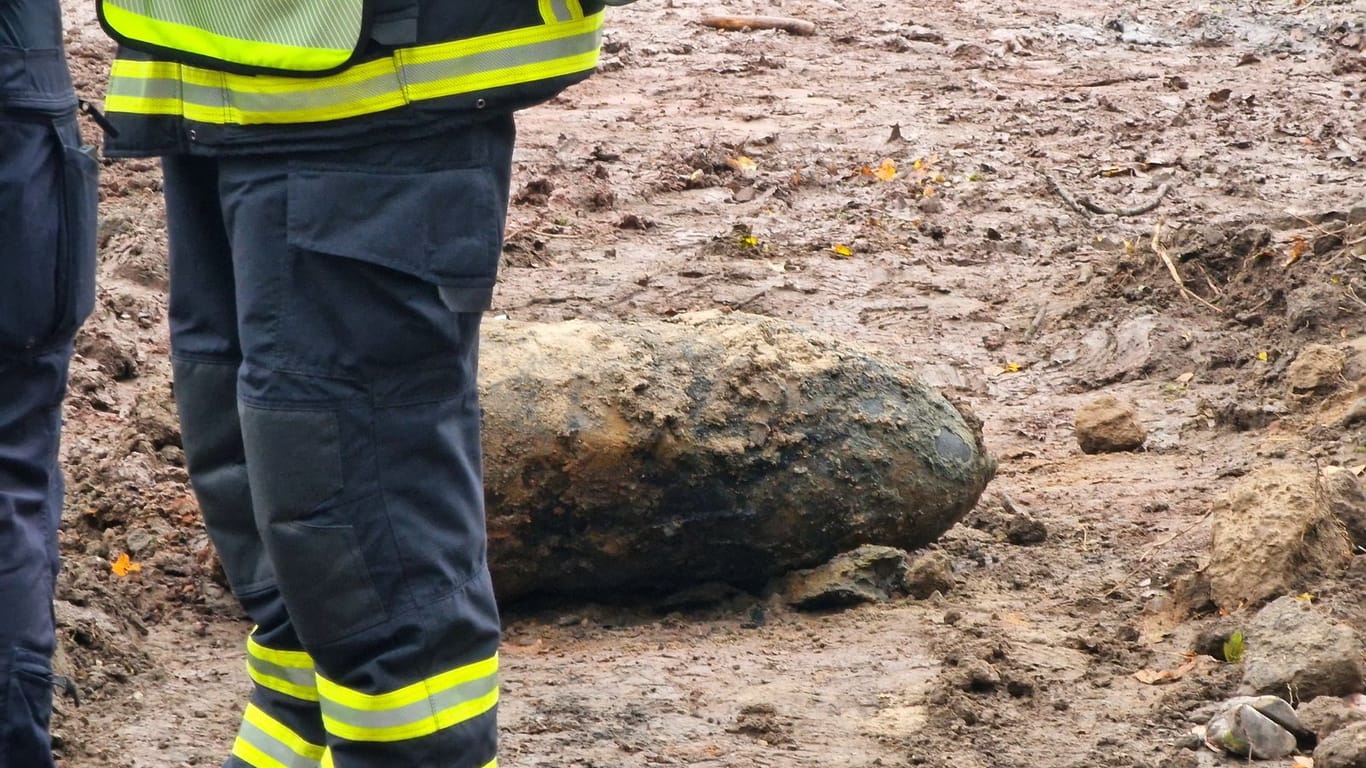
(47,270)
(325,313)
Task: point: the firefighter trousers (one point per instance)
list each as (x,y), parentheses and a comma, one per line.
(48,195)
(324,313)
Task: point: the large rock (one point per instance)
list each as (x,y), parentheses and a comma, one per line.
(1271,533)
(1343,749)
(1295,650)
(1328,714)
(733,448)
(1347,500)
(1106,425)
(1317,367)
(869,574)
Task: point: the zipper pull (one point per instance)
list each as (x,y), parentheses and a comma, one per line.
(88,108)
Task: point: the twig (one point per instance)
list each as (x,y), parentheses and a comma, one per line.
(1353,293)
(1209,281)
(741,23)
(1037,322)
(1084,204)
(1104,81)
(1137,210)
(1066,198)
(1338,234)
(1171,268)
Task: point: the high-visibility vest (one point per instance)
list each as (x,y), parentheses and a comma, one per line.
(248,36)
(278,62)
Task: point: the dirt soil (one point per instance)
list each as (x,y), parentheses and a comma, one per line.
(893,179)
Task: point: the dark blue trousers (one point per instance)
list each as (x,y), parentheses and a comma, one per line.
(47,268)
(325,312)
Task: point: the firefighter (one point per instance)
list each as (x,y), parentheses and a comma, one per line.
(336,182)
(48,196)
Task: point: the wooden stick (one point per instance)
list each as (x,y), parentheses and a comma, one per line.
(1171,268)
(741,23)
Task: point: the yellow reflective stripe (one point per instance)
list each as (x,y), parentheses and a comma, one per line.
(268,743)
(287,672)
(295,659)
(512,76)
(412,74)
(327,761)
(202,42)
(416,710)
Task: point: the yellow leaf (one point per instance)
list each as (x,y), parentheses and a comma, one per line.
(124,565)
(1305,597)
(842,251)
(742,164)
(1013,367)
(886,171)
(749,241)
(1263,356)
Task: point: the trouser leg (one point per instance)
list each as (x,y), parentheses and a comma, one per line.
(30,510)
(47,263)
(360,426)
(282,724)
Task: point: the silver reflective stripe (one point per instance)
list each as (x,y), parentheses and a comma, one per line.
(415,712)
(561,10)
(334,25)
(207,96)
(264,742)
(302,678)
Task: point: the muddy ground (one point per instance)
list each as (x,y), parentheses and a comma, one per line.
(886,180)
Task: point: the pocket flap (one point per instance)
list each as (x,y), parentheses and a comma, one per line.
(444,226)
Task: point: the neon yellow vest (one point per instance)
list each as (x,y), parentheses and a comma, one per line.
(277,36)
(205,51)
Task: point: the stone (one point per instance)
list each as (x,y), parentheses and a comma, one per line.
(1317,367)
(929,573)
(1345,748)
(1294,650)
(1107,425)
(1347,501)
(1271,533)
(869,574)
(1024,531)
(646,457)
(1325,715)
(1243,728)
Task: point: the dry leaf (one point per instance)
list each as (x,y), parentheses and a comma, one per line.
(124,565)
(1297,249)
(842,251)
(742,164)
(886,171)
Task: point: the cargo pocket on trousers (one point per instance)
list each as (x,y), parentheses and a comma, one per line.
(48,193)
(26,710)
(294,461)
(324,579)
(443,226)
(80,206)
